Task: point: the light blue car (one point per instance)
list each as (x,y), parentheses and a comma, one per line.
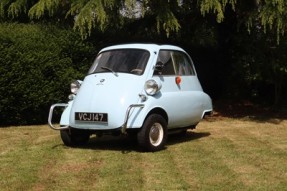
(146,90)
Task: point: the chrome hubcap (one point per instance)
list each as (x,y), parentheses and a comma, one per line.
(156,134)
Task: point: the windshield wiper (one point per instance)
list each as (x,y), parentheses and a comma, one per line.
(109,69)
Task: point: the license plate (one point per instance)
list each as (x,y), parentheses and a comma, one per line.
(93,117)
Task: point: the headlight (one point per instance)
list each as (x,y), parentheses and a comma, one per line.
(152,87)
(75,86)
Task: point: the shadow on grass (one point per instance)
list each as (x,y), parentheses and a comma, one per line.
(127,144)
(177,138)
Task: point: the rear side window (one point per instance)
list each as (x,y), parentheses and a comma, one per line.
(182,63)
(174,63)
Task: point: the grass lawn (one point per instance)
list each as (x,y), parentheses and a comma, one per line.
(221,154)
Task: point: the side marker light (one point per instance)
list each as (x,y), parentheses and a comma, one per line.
(178,80)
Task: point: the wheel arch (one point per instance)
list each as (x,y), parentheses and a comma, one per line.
(159,111)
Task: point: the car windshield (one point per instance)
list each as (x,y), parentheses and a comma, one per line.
(131,61)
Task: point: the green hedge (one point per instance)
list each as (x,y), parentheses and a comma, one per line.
(37,64)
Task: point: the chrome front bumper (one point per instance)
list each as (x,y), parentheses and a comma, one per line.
(123,127)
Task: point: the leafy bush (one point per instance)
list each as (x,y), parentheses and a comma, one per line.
(37,64)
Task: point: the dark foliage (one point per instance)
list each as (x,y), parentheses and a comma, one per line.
(38,62)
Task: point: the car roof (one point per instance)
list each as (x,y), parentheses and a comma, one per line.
(150,47)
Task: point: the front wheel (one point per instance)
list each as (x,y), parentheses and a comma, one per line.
(74,137)
(153,134)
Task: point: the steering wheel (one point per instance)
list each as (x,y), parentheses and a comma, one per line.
(136,70)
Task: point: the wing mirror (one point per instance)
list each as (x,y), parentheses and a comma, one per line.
(159,66)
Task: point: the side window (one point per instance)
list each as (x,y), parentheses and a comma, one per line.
(164,57)
(182,62)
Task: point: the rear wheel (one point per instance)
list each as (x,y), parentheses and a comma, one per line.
(153,134)
(74,137)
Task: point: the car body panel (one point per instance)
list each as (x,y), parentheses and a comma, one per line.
(106,93)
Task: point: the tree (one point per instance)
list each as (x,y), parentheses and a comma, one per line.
(269,14)
(99,14)
(87,15)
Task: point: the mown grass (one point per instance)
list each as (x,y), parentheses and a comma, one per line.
(225,154)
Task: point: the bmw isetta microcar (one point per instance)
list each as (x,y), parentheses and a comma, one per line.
(146,90)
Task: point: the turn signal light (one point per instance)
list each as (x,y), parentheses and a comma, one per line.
(177,80)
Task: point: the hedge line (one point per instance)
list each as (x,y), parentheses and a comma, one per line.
(37,64)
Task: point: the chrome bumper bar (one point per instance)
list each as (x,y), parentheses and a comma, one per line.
(124,126)
(51,116)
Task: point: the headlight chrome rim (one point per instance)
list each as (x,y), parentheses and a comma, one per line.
(152,87)
(75,86)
